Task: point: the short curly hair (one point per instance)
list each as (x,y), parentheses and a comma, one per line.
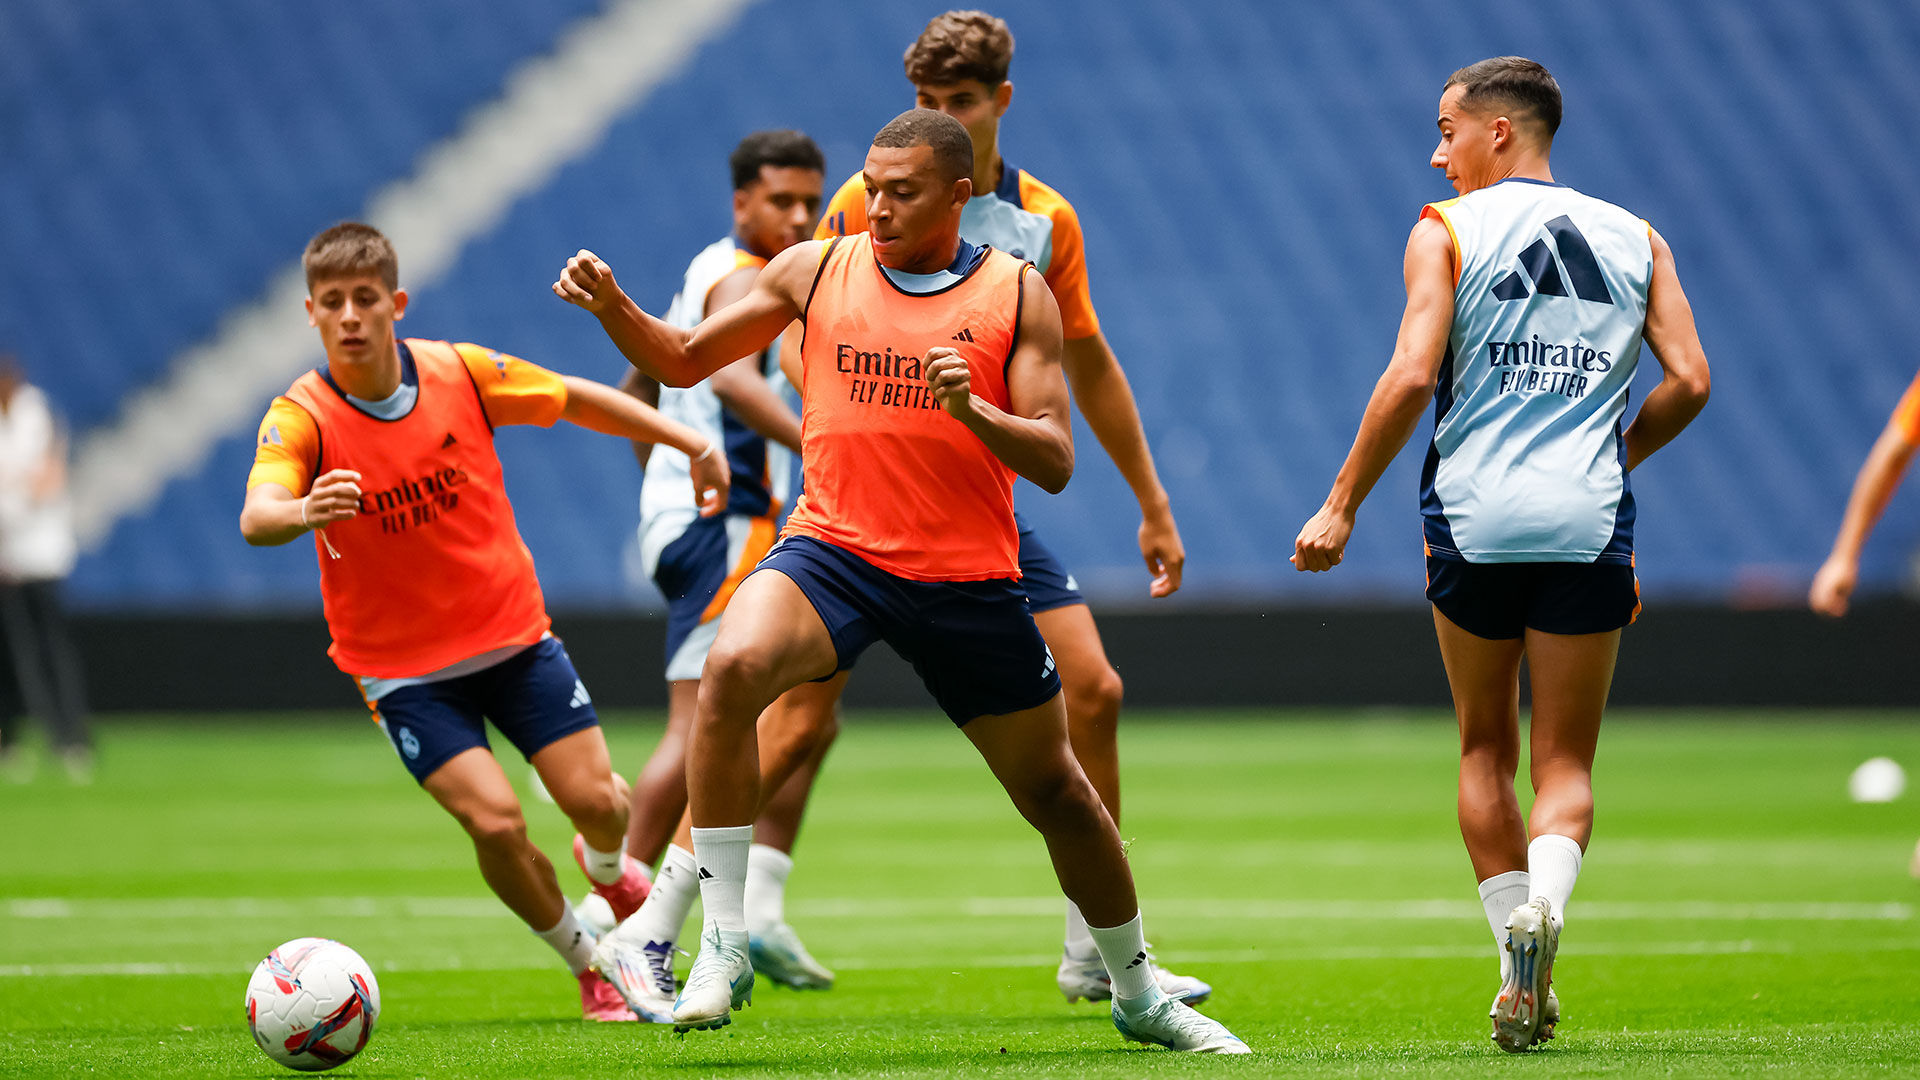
(960,46)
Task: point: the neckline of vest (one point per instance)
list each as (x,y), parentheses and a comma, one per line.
(1527,180)
(984,251)
(409,376)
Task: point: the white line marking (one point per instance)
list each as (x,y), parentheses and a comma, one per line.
(552,109)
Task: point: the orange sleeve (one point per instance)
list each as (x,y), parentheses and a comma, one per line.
(288,449)
(1906,415)
(513,391)
(846,213)
(1067,267)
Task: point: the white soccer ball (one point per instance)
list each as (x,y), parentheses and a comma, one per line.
(595,914)
(1878,779)
(311,1004)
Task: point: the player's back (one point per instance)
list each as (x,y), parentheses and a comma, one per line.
(761,468)
(1527,462)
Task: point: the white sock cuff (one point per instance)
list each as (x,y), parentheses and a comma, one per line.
(771,860)
(1565,846)
(731,834)
(603,867)
(1512,879)
(679,857)
(1123,949)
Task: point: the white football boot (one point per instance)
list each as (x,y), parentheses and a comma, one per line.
(1169,1023)
(642,971)
(1087,980)
(1520,1007)
(778,954)
(719,983)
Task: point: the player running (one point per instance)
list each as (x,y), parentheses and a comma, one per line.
(385,454)
(698,562)
(958,66)
(1527,303)
(931,379)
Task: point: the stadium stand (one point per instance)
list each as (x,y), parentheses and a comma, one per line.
(1245,172)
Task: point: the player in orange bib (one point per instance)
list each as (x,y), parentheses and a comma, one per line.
(385,454)
(931,372)
(958,65)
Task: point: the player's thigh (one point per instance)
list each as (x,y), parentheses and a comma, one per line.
(536,698)
(578,772)
(1570,676)
(803,721)
(1484,675)
(473,787)
(772,638)
(1074,638)
(1027,750)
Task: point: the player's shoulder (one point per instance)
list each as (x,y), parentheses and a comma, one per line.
(1037,197)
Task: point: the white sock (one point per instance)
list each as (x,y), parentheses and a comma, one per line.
(603,867)
(1553,865)
(1080,944)
(722,857)
(664,914)
(1499,895)
(767,870)
(1123,948)
(570,940)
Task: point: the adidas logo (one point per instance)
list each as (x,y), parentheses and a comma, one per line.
(448,441)
(581,698)
(704,876)
(964,335)
(1138,959)
(272,436)
(1047,668)
(499,362)
(1537,260)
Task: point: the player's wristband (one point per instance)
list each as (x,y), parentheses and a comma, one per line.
(303,512)
(708,452)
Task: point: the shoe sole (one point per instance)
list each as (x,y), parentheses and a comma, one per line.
(713,1023)
(1520,1007)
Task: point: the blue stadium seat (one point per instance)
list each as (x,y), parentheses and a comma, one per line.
(1246,174)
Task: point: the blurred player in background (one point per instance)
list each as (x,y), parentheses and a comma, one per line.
(1527,303)
(1886,463)
(37,552)
(386,455)
(931,379)
(698,562)
(958,66)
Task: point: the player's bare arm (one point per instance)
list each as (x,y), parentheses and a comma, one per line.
(790,360)
(1684,382)
(1105,398)
(1036,438)
(1398,399)
(273,515)
(602,408)
(647,392)
(679,357)
(740,386)
(1879,477)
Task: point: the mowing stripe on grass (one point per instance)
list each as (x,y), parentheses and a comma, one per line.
(478,907)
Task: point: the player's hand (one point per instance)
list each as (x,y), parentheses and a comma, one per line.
(334,497)
(1322,542)
(587,282)
(1166,556)
(1833,587)
(951,381)
(711,476)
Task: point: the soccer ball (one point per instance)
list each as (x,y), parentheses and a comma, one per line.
(311,1004)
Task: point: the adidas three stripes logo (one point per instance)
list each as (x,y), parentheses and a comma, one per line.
(1537,266)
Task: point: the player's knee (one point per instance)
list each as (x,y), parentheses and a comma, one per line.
(1056,795)
(497,827)
(600,803)
(1093,701)
(737,679)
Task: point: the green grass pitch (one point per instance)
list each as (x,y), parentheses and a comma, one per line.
(1737,915)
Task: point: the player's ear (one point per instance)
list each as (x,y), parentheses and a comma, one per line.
(311,320)
(962,190)
(1502,132)
(1002,97)
(739,200)
(399,304)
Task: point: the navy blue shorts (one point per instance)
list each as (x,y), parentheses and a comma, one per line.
(1505,600)
(1042,575)
(535,698)
(704,558)
(973,643)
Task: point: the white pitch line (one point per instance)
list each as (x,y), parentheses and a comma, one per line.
(1739,947)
